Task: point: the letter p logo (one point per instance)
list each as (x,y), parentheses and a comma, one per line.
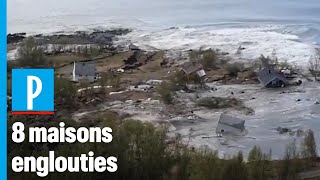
(32,95)
(32,91)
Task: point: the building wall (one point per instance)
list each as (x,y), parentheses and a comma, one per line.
(85,78)
(276,83)
(228,130)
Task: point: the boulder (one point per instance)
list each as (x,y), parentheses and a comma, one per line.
(216,78)
(282,130)
(15,38)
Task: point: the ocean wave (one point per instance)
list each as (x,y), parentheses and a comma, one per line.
(310,35)
(256,41)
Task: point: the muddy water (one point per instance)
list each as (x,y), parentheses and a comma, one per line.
(292,108)
(273,108)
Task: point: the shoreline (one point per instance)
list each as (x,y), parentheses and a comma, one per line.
(299,54)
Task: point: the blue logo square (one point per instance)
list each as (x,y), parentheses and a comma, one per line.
(32,90)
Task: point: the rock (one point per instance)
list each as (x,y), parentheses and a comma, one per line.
(283,130)
(299,83)
(292,133)
(317,102)
(101,37)
(298,100)
(216,78)
(15,38)
(133,47)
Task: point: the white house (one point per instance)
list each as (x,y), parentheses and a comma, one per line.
(84,71)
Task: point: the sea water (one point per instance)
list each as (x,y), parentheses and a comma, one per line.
(291,27)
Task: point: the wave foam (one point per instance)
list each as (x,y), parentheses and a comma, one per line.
(255,40)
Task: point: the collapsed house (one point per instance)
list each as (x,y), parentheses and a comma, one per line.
(270,78)
(193,68)
(133,47)
(229,125)
(84,71)
(137,59)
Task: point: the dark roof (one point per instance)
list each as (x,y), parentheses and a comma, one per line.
(85,69)
(191,67)
(133,47)
(231,121)
(268,74)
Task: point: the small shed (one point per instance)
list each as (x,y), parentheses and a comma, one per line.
(84,71)
(229,125)
(193,68)
(271,78)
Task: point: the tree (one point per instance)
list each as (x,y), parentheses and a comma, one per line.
(205,165)
(314,65)
(265,61)
(235,169)
(234,69)
(259,164)
(30,53)
(309,148)
(290,165)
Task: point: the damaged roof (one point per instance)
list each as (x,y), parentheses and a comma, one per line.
(192,67)
(268,74)
(231,121)
(85,69)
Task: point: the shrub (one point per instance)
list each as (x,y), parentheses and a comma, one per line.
(309,148)
(114,80)
(218,102)
(178,79)
(65,91)
(31,54)
(110,79)
(165,91)
(314,65)
(234,69)
(208,58)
